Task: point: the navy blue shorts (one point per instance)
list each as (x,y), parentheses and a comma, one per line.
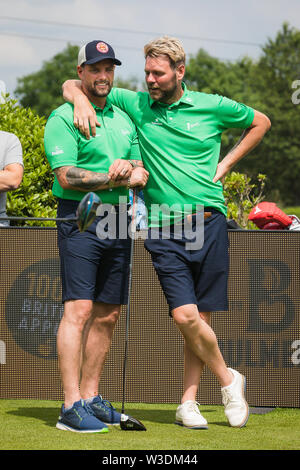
(91,268)
(194,276)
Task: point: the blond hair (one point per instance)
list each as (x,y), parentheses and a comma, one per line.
(168,46)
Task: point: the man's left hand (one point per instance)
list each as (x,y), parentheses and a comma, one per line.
(119,170)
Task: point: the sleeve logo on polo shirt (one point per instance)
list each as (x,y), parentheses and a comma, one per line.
(57,151)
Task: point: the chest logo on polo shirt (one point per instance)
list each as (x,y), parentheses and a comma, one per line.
(156,122)
(190,125)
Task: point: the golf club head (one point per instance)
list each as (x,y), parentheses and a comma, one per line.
(128,423)
(86,211)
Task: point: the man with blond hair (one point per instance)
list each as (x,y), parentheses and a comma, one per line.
(180,138)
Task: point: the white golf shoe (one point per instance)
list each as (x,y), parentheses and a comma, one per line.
(233,398)
(189,416)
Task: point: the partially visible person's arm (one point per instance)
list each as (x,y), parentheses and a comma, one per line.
(11,177)
(248,141)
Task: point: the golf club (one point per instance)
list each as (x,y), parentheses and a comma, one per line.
(86,211)
(85,214)
(128,423)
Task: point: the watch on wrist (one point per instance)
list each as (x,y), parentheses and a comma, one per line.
(128,183)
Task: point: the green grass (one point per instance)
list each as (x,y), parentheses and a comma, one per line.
(295,210)
(30,425)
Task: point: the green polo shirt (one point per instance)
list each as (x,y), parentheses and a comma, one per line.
(180,146)
(65,145)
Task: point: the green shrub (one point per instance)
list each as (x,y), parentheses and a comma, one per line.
(34,196)
(241,195)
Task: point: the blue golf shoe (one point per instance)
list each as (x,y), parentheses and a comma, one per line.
(104,410)
(79,419)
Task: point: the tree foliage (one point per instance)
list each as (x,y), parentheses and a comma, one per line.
(41,91)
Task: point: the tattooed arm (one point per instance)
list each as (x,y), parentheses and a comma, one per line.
(71,177)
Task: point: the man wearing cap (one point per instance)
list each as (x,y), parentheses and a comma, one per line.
(94,270)
(180,136)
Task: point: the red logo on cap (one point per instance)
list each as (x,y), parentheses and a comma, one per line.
(102,47)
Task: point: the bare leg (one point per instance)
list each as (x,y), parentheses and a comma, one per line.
(202,341)
(193,368)
(96,343)
(69,344)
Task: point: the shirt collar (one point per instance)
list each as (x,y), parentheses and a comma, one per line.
(108,105)
(185,98)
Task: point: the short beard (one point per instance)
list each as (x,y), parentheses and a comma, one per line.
(167,95)
(92,90)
